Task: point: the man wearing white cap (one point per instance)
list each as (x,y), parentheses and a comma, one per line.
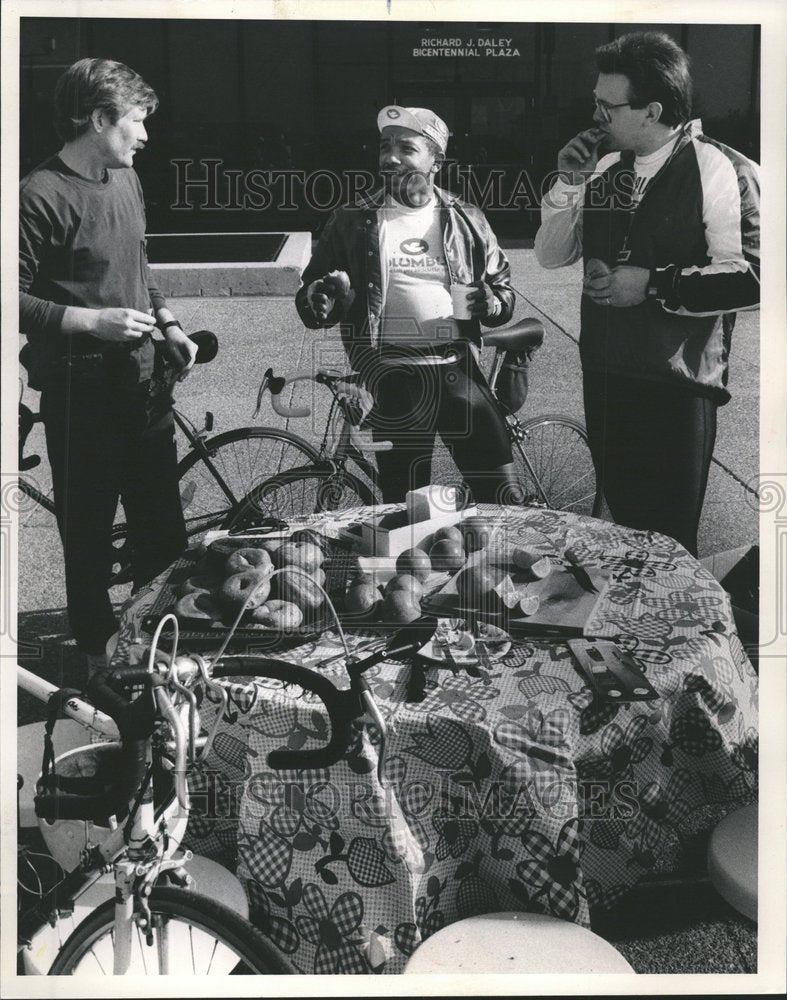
(383,270)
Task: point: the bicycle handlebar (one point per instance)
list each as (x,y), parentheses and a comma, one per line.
(342,706)
(350,408)
(207,347)
(98,797)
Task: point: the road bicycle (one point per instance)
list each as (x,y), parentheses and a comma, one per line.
(154,924)
(148,712)
(553,464)
(215,473)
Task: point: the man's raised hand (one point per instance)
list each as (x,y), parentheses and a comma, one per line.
(579,156)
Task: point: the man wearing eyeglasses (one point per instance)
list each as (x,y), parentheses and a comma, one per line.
(666,222)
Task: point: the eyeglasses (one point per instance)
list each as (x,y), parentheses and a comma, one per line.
(605,108)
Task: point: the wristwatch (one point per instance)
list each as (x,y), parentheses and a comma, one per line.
(169,323)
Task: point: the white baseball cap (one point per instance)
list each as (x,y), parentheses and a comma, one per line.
(420,120)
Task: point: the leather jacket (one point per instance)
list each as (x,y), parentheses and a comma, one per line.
(350,242)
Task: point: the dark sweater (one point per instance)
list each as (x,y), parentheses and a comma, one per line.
(82,243)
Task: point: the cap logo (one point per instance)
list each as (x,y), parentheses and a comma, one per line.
(393,113)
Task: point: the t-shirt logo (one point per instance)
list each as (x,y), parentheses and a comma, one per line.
(414,247)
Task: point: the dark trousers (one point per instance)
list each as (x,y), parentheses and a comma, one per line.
(415,403)
(652,444)
(101,449)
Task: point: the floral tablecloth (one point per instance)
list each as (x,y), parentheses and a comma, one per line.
(519,791)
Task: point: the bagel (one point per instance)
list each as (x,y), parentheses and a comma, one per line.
(232,594)
(194,584)
(221,549)
(246,559)
(282,615)
(197,604)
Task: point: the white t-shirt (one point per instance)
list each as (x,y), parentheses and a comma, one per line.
(416,283)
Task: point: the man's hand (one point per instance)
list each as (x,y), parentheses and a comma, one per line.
(326,291)
(580,155)
(180,350)
(120,325)
(481,302)
(621,287)
(359,400)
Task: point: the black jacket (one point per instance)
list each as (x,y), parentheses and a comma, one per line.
(350,242)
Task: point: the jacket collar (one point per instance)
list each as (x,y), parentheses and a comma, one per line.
(376,199)
(689,131)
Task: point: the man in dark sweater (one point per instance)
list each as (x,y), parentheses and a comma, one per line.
(88,307)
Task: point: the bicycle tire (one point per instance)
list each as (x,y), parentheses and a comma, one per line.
(237,947)
(244,457)
(205,505)
(301,491)
(558,468)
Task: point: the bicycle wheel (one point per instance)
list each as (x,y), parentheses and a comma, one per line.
(555,466)
(239,460)
(301,491)
(191,936)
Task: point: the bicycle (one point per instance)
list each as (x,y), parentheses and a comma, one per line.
(215,473)
(148,713)
(554,467)
(149,928)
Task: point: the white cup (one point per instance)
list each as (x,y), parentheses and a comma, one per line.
(459,301)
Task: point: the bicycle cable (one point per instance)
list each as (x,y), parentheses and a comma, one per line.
(546,316)
(267,579)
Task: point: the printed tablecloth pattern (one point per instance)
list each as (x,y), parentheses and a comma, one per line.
(519,793)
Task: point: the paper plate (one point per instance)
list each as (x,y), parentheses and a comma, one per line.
(498,643)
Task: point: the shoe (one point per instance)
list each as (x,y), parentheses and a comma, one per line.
(96,662)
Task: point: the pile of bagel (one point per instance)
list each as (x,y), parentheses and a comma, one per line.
(278,580)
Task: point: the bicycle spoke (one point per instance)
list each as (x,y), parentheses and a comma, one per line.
(212,956)
(557,459)
(141,949)
(240,460)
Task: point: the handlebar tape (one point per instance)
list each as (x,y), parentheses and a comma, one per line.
(342,707)
(98,797)
(288,411)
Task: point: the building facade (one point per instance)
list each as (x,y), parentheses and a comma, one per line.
(270,124)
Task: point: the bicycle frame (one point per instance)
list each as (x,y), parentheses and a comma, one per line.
(345,449)
(197,444)
(346,442)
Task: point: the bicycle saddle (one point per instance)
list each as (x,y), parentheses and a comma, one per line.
(526,335)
